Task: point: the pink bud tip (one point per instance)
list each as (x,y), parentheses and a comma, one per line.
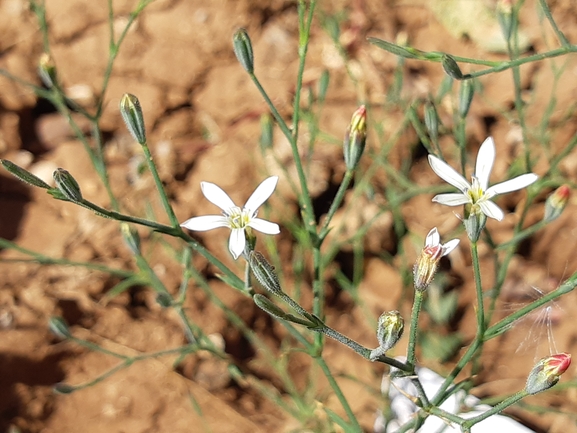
(559,363)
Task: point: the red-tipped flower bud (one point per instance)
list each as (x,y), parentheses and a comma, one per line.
(547,372)
(556,203)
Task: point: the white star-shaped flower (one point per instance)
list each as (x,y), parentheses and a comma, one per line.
(477,193)
(235,218)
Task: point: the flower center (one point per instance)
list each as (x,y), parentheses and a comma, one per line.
(476,193)
(433,252)
(238,218)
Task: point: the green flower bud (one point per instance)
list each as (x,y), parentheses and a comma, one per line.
(396,49)
(23,175)
(323,85)
(431,120)
(164,300)
(264,272)
(132,115)
(47,70)
(243,50)
(131,238)
(67,185)
(389,331)
(62,388)
(267,305)
(59,327)
(547,372)
(506,17)
(451,67)
(355,138)
(466,93)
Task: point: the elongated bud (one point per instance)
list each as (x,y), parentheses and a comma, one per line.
(428,262)
(431,120)
(243,50)
(323,85)
(132,115)
(63,388)
(420,129)
(505,17)
(556,203)
(466,93)
(59,327)
(164,300)
(67,185)
(47,70)
(547,372)
(23,175)
(451,67)
(264,272)
(131,238)
(355,138)
(267,305)
(407,53)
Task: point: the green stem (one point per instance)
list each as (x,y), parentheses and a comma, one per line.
(444,415)
(479,289)
(304,36)
(361,350)
(523,235)
(177,232)
(441,394)
(305,197)
(45,260)
(96,348)
(519,104)
(417,303)
(547,12)
(494,410)
(114,49)
(501,326)
(339,393)
(336,203)
(160,187)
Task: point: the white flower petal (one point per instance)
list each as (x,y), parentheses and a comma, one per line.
(450,246)
(206,222)
(264,226)
(452,199)
(485,160)
(433,238)
(261,194)
(448,174)
(512,184)
(236,242)
(491,209)
(217,196)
